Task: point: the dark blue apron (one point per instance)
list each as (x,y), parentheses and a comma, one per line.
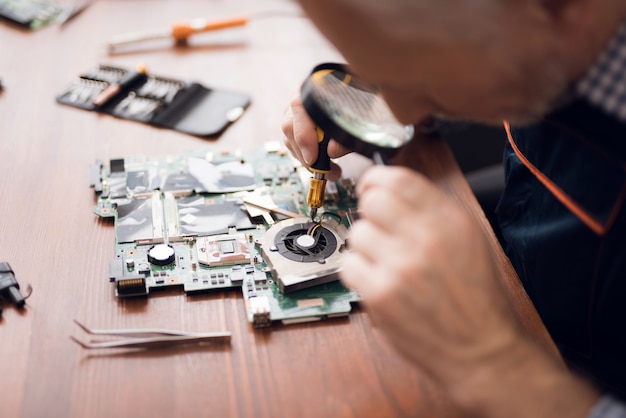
(563,218)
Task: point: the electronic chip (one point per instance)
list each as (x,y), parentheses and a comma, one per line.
(223,250)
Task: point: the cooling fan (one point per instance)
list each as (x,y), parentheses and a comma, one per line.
(301,253)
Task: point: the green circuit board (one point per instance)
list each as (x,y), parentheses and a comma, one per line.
(31,14)
(196,221)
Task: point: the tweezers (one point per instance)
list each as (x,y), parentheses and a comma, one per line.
(149,338)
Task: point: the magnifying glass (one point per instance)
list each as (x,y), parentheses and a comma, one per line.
(352,113)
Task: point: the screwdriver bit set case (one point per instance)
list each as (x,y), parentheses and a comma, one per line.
(187,107)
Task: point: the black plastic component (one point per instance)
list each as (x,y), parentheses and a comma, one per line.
(117,165)
(188,107)
(135,286)
(9,287)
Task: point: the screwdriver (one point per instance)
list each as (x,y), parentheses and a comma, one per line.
(321,167)
(180,32)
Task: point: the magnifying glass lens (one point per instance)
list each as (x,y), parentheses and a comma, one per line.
(357,109)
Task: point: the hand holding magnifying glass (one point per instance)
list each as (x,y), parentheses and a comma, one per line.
(352,113)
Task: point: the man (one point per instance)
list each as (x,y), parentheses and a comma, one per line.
(557,68)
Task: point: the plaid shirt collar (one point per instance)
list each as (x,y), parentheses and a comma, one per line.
(604,84)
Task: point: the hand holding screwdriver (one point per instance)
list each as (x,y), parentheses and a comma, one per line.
(320,168)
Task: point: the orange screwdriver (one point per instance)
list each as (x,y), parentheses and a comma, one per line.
(180,32)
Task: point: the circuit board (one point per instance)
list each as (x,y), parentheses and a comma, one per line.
(215,220)
(31,14)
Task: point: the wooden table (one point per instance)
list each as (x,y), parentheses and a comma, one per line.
(53,241)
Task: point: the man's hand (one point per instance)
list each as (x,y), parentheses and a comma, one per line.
(425,273)
(301,139)
(426,276)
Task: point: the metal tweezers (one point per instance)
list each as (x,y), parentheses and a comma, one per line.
(150,338)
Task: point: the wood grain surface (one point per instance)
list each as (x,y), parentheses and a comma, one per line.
(53,241)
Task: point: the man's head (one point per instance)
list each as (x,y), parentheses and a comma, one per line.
(483,60)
